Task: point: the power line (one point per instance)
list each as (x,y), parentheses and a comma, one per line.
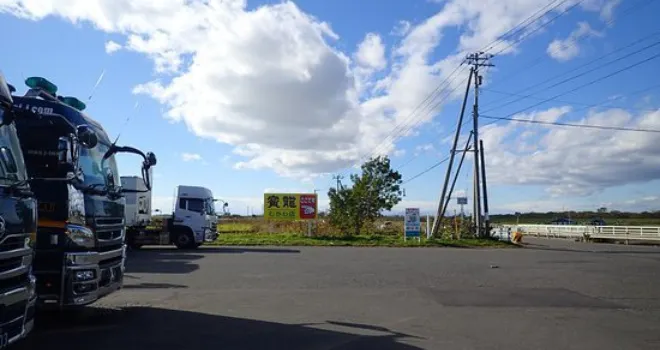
(512,31)
(448,134)
(539,59)
(436,105)
(412,125)
(451,132)
(456,69)
(426,170)
(541,26)
(588,105)
(578,75)
(604,102)
(397,130)
(590,83)
(520,25)
(586,126)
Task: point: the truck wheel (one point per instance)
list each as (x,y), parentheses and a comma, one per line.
(184,240)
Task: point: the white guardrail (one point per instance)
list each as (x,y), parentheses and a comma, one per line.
(621,233)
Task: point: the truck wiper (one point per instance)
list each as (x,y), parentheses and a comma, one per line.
(93,188)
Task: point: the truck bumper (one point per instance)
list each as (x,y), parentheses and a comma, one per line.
(89,276)
(210,236)
(18,313)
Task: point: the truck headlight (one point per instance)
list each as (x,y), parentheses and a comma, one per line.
(31,240)
(80,235)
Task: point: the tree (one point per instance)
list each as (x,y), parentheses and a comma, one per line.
(376,189)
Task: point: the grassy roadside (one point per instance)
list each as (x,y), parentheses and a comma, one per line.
(288,239)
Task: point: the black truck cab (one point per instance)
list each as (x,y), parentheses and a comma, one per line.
(18,225)
(80,249)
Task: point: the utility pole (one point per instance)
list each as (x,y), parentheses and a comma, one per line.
(441,207)
(338,177)
(477,60)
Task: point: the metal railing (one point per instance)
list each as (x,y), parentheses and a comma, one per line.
(622,233)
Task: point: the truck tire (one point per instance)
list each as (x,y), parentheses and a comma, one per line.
(130,240)
(184,240)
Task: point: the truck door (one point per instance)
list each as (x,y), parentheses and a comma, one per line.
(191,213)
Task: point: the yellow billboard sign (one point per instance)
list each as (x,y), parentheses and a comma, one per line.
(290,206)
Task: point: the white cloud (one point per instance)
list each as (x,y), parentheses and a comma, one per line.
(604,7)
(428,147)
(190,157)
(566,49)
(399,153)
(572,160)
(111,47)
(371,52)
(307,108)
(401,28)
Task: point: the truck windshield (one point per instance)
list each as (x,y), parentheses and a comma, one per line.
(12,165)
(94,171)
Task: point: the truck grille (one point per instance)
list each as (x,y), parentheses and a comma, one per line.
(12,243)
(13,313)
(13,283)
(108,235)
(10,264)
(109,221)
(109,229)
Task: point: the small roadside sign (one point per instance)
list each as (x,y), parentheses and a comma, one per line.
(412,225)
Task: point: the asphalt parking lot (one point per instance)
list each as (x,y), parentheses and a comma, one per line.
(549,295)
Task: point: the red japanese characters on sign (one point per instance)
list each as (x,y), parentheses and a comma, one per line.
(308,206)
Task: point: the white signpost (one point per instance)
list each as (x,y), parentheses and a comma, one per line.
(412,226)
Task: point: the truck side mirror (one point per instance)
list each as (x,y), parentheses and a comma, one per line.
(151,159)
(146,176)
(86,136)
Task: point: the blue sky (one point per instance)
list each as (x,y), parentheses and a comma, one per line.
(242,72)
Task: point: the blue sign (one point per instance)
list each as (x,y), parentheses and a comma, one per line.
(412,224)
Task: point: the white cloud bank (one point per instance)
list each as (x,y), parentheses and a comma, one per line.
(574,160)
(270,82)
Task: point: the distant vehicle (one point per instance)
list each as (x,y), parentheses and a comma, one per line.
(193,221)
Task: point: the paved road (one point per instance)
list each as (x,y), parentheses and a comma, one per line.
(549,295)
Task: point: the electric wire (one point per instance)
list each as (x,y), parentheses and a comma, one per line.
(577,76)
(585,126)
(574,40)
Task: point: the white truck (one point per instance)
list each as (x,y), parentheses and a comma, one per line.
(193,221)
